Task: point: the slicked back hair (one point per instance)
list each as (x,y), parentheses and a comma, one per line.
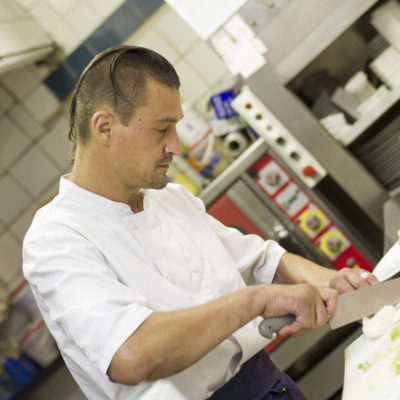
(116,77)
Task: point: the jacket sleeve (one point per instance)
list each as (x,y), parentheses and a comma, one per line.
(79,296)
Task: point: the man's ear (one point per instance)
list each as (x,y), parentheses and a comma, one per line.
(101,125)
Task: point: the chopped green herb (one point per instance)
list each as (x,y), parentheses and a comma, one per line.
(396,363)
(395,334)
(364,366)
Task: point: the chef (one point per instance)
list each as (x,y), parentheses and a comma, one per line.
(147,296)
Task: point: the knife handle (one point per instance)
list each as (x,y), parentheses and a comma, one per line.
(268,326)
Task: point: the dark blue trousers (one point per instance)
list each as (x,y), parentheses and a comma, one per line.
(259,379)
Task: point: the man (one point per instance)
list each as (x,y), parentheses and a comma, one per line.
(146,294)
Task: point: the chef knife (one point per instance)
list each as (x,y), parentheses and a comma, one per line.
(352,306)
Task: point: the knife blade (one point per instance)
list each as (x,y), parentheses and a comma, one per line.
(356,305)
(352,306)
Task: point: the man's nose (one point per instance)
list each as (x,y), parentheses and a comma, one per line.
(173,145)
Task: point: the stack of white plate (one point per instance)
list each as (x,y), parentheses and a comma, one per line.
(360,87)
(386,20)
(336,125)
(373,101)
(387,67)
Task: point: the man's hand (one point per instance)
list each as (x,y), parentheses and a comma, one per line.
(311,306)
(349,279)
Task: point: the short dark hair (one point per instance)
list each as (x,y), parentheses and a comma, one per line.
(117,76)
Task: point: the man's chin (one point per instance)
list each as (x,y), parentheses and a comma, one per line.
(159,184)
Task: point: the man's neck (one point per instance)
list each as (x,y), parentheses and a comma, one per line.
(95,177)
(135,202)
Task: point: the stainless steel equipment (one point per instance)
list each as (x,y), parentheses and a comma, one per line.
(305,37)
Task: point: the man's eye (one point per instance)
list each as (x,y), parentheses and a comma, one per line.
(161,131)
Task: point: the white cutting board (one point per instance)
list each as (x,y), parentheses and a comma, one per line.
(377,381)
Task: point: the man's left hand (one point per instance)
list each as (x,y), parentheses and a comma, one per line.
(349,279)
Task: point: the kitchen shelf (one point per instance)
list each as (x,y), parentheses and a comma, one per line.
(367,120)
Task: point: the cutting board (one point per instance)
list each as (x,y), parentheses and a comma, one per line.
(370,372)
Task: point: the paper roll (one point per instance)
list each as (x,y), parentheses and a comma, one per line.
(235,143)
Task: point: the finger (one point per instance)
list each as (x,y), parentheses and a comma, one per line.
(372,279)
(291,330)
(356,280)
(348,280)
(363,279)
(303,306)
(321,314)
(330,298)
(341,283)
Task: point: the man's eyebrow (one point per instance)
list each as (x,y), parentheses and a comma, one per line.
(168,119)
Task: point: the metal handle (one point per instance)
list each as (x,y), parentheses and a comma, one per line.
(274,324)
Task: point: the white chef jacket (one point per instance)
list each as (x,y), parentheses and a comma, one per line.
(98,270)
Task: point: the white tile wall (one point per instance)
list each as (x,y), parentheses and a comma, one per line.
(25,121)
(12,142)
(13,199)
(177,31)
(11,258)
(204,59)
(32,34)
(104,7)
(21,81)
(7,11)
(156,41)
(35,171)
(65,36)
(56,144)
(193,87)
(18,11)
(63,6)
(22,222)
(84,19)
(2,228)
(27,3)
(19,31)
(6,99)
(198,65)
(69,22)
(45,14)
(42,103)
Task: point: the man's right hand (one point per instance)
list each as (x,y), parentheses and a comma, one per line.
(311,306)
